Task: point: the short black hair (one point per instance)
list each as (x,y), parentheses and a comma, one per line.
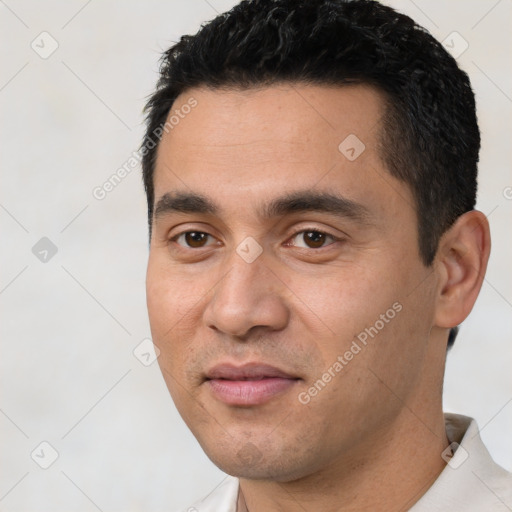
(429,137)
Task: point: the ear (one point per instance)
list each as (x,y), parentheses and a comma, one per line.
(461,261)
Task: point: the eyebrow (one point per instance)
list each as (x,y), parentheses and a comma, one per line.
(294,202)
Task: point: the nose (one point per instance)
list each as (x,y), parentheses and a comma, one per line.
(249,296)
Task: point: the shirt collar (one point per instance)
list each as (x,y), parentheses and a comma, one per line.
(471,480)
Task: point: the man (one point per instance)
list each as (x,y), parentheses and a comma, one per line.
(310,168)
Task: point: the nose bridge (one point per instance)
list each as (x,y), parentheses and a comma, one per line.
(247,296)
(241,283)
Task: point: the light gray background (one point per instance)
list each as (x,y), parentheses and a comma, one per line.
(69,326)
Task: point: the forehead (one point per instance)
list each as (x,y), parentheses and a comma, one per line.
(303,116)
(252,141)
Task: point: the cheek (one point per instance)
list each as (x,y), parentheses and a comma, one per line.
(344,301)
(170,295)
(170,316)
(173,305)
(371,306)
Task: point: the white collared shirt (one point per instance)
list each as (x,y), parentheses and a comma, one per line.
(470,482)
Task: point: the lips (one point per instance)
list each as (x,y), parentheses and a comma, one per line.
(251,371)
(248,385)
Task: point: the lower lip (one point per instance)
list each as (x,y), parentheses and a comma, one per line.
(249,392)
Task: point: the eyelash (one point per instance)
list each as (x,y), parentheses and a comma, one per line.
(294,235)
(314,230)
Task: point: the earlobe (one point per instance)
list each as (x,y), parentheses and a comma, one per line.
(461,261)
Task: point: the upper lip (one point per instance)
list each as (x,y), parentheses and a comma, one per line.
(247,371)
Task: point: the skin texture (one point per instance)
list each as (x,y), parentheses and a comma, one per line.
(372,438)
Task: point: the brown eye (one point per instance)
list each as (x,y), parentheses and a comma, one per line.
(193,239)
(196,239)
(311,239)
(314,239)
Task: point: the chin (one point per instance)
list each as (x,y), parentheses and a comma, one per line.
(249,463)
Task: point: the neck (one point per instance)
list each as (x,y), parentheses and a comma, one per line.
(388,473)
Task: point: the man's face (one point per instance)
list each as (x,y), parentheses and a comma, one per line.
(273,245)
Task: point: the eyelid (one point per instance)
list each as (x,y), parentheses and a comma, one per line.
(175,238)
(292,235)
(187,227)
(314,228)
(334,239)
